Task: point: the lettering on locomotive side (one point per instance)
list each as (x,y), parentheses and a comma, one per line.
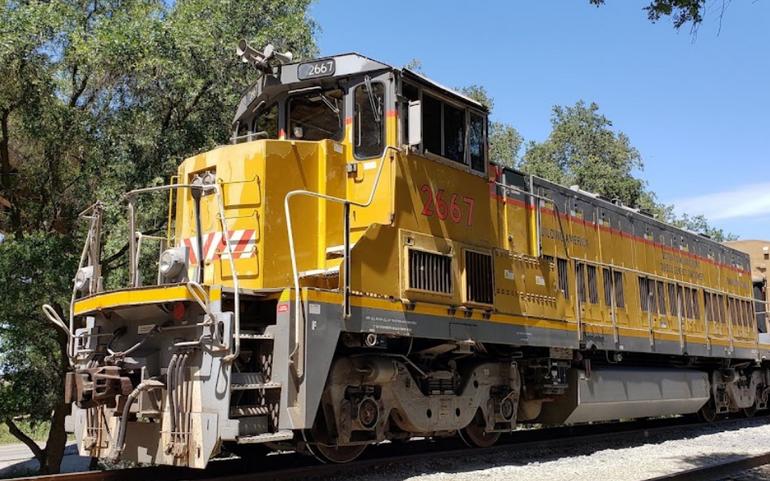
(677,265)
(390,325)
(555,234)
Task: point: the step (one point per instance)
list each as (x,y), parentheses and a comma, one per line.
(249,410)
(261,386)
(335,252)
(266,437)
(248,381)
(331,272)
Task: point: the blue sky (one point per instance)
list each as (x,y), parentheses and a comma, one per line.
(697,108)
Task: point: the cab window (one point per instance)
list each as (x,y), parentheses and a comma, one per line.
(476,142)
(452,131)
(431,124)
(265,124)
(316,115)
(369,131)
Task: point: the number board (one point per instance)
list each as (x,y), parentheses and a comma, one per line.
(320,68)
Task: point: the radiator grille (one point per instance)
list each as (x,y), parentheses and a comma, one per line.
(430,272)
(478,275)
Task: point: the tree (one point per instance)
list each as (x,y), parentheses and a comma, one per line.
(504,140)
(504,144)
(32,355)
(583,149)
(97,98)
(681,12)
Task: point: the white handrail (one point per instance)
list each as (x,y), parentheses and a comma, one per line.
(346,253)
(236,294)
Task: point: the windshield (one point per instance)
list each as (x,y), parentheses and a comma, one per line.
(316,115)
(265,124)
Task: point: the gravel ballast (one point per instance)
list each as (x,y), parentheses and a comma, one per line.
(635,457)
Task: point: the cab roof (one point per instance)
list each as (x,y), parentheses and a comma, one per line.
(345,64)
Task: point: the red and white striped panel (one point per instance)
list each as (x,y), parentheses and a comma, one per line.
(242,243)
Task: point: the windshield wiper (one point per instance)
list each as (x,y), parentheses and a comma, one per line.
(329,104)
(372,100)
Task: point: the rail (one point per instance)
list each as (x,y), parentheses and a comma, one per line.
(298,325)
(533,444)
(195,289)
(90,252)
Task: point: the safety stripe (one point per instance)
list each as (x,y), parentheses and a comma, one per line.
(242,243)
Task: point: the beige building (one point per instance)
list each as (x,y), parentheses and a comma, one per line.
(759,251)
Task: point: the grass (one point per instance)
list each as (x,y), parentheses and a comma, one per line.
(38,432)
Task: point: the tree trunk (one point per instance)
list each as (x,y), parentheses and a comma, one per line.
(57,436)
(57,440)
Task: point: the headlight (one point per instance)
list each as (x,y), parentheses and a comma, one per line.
(83,279)
(172,263)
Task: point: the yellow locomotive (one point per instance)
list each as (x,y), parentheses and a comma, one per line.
(353,269)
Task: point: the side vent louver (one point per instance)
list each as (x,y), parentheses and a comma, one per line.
(478,275)
(430,272)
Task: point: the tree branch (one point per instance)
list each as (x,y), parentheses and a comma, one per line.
(28,441)
(77,89)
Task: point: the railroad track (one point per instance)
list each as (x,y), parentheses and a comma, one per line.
(292,466)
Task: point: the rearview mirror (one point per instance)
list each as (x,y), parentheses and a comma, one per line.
(415,123)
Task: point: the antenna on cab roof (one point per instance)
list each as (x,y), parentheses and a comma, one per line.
(265,60)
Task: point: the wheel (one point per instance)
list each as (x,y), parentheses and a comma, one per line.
(708,412)
(336,454)
(750,411)
(320,446)
(473,434)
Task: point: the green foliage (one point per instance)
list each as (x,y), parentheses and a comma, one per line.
(504,140)
(97,98)
(681,12)
(583,149)
(696,223)
(31,360)
(37,431)
(504,144)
